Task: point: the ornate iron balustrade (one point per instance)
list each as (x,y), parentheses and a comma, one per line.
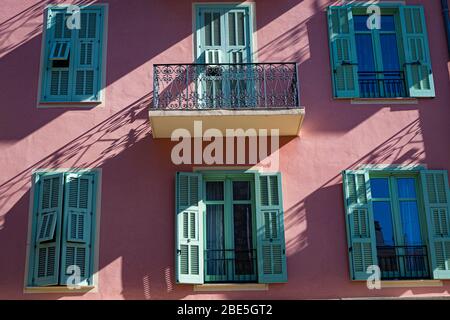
(385,84)
(230,265)
(403,262)
(225,86)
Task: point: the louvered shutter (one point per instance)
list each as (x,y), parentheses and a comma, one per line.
(437,208)
(359,223)
(56,77)
(419,74)
(47,229)
(189,228)
(77,228)
(271,248)
(87,62)
(343,56)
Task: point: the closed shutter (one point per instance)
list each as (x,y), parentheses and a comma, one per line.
(437,208)
(73,58)
(359,223)
(189,228)
(87,66)
(343,56)
(77,227)
(47,226)
(419,74)
(271,247)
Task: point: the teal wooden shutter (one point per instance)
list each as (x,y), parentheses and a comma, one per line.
(77,228)
(271,247)
(56,66)
(359,223)
(87,61)
(437,208)
(189,228)
(419,74)
(343,56)
(47,229)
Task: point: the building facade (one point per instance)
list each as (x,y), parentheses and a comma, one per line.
(224,150)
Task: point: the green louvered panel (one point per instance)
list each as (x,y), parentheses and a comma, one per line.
(419,73)
(60,26)
(59,82)
(271,247)
(189,228)
(436,198)
(361,238)
(77,233)
(44,259)
(343,52)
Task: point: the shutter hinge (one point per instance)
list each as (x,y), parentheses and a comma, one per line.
(178,251)
(350,249)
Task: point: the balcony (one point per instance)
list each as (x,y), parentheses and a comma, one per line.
(403,262)
(226,96)
(230,266)
(386,84)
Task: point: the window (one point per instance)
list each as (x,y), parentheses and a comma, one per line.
(229,228)
(63,224)
(398,220)
(391,61)
(72,58)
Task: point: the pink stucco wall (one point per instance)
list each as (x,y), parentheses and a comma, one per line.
(137,213)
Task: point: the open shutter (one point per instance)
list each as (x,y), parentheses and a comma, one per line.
(87,60)
(344,62)
(77,229)
(47,234)
(359,223)
(271,248)
(56,73)
(189,228)
(419,74)
(437,208)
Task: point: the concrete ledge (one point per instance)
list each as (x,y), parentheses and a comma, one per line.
(225,112)
(59,289)
(384,101)
(411,283)
(231,287)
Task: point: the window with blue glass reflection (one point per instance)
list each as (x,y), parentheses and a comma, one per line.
(379,69)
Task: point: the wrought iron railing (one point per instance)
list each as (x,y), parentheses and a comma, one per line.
(403,262)
(385,84)
(225,86)
(230,265)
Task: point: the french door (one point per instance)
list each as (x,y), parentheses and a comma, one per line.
(230,251)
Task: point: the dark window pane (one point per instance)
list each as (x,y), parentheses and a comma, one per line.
(382,216)
(387,23)
(406,187)
(410,223)
(215,253)
(243,243)
(389,52)
(214,191)
(364,51)
(379,187)
(241,190)
(360,23)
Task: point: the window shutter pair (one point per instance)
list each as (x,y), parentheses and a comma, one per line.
(361,231)
(63,219)
(344,64)
(189,215)
(72,63)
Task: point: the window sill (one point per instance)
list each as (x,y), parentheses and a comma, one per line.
(231,287)
(411,283)
(59,289)
(68,104)
(384,101)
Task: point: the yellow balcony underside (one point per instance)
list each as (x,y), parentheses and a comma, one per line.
(287,121)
